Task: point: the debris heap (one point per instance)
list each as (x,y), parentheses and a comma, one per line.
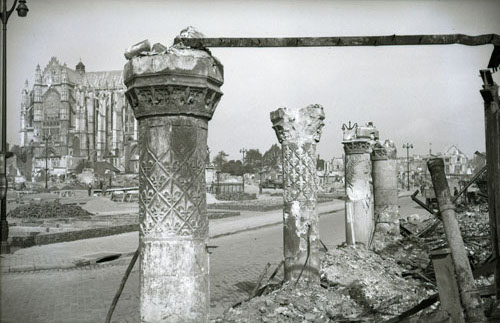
(357,285)
(48,210)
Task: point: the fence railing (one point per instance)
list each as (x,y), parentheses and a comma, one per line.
(225,188)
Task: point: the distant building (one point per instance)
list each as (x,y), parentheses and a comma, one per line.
(85,114)
(456,162)
(456,167)
(333,172)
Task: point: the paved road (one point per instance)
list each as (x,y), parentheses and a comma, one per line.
(84,295)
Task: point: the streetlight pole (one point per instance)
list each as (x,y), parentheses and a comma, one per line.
(46,138)
(408,146)
(22,11)
(243,151)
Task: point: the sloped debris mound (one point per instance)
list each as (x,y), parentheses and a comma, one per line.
(412,252)
(48,210)
(360,286)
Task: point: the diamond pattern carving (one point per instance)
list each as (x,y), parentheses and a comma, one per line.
(172,199)
(299,173)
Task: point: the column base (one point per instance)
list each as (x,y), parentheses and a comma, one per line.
(4,247)
(4,228)
(359,221)
(387,218)
(174,281)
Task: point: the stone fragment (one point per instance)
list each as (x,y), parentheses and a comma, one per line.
(137,49)
(158,49)
(190,32)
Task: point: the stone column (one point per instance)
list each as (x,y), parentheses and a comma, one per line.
(299,130)
(385,187)
(173,95)
(358,183)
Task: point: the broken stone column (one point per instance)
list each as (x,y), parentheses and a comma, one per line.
(173,95)
(299,130)
(385,187)
(358,182)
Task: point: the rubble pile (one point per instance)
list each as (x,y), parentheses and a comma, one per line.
(357,285)
(412,252)
(48,210)
(475,228)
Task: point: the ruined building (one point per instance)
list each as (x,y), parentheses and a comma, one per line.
(84,114)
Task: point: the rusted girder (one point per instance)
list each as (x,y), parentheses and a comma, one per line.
(389,40)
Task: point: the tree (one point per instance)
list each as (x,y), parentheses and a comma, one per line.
(272,157)
(253,160)
(220,159)
(233,167)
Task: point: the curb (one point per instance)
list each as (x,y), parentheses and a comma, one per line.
(92,261)
(336,209)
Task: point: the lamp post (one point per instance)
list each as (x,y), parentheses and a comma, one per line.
(260,173)
(22,11)
(408,146)
(243,151)
(46,138)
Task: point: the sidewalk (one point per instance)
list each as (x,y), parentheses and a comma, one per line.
(86,252)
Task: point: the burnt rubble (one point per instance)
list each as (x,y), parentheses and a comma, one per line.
(360,285)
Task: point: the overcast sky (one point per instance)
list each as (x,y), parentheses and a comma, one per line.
(416,94)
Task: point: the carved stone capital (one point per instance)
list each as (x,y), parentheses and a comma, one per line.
(179,82)
(173,100)
(390,147)
(298,125)
(379,152)
(357,147)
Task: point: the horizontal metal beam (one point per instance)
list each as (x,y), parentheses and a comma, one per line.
(391,40)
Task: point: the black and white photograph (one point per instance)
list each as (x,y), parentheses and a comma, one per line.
(250,161)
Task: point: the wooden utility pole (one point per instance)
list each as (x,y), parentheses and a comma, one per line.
(492,134)
(470,298)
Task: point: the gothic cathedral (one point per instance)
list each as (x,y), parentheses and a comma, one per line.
(77,115)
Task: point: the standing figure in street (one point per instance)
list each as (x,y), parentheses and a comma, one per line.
(89,188)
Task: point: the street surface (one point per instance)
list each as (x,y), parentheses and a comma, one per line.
(84,294)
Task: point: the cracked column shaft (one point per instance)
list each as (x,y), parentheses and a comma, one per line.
(385,187)
(299,130)
(358,184)
(173,96)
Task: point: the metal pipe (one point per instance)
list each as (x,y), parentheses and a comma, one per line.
(470,298)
